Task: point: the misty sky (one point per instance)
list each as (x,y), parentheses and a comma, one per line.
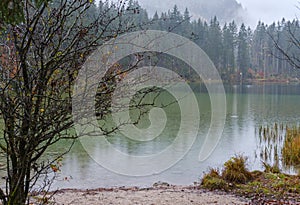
(271,10)
(265,10)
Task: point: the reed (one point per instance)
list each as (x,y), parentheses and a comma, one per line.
(291,147)
(280,144)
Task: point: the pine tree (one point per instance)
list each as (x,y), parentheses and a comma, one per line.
(228,58)
(215,42)
(186,24)
(156,24)
(175,20)
(243,59)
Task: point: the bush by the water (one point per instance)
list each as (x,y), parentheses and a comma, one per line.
(234,171)
(236,178)
(212,180)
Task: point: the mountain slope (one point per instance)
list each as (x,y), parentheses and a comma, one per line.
(225,10)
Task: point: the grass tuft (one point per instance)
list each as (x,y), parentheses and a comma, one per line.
(291,147)
(271,168)
(212,181)
(235,170)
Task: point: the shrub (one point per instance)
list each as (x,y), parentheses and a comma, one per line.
(212,181)
(235,170)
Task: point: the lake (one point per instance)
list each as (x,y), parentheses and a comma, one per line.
(248,107)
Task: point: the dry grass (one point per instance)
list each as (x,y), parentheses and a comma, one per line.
(269,185)
(291,147)
(235,170)
(212,181)
(271,168)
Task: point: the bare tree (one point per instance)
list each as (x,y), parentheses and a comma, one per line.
(287,42)
(40,59)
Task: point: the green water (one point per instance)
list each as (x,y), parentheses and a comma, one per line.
(248,107)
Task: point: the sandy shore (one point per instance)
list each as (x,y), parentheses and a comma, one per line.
(164,195)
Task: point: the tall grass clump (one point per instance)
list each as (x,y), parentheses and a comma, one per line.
(235,170)
(291,147)
(212,181)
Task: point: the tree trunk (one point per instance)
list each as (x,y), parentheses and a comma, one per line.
(17,175)
(17,195)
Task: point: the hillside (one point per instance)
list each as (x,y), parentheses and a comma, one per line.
(226,10)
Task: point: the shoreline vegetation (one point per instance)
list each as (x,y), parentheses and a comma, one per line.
(270,186)
(255,81)
(249,81)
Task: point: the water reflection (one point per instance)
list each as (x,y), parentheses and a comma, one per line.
(248,107)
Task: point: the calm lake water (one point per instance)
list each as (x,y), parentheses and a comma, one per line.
(248,107)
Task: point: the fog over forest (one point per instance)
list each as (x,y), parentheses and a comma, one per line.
(248,11)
